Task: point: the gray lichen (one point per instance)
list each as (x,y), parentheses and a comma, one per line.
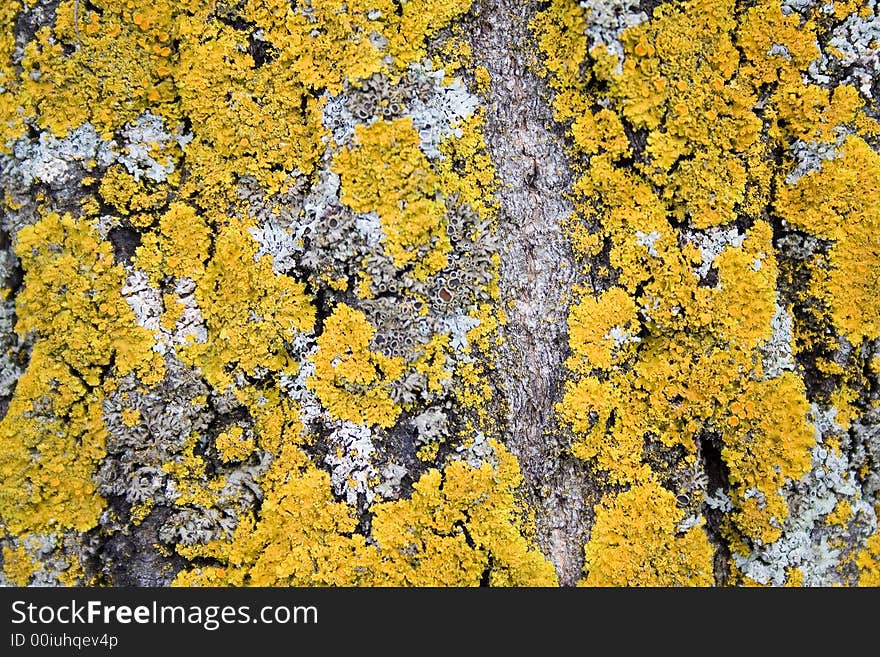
(148,430)
(778,356)
(350,452)
(711,242)
(809,156)
(141,139)
(808,542)
(608,19)
(856,44)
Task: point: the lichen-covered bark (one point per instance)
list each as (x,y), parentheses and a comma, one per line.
(483,292)
(712,137)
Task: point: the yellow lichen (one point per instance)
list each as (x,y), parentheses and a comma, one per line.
(840,515)
(18,565)
(11,113)
(679,137)
(179,248)
(687,360)
(353,382)
(130,417)
(635,542)
(388,174)
(457,526)
(127,195)
(868,561)
(249,310)
(840,203)
(483,79)
(601,330)
(233,445)
(248,102)
(465,511)
(114,75)
(52,436)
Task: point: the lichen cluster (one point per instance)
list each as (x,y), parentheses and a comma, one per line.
(723,344)
(252,281)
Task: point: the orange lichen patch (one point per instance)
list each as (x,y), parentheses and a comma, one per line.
(192,483)
(600,131)
(845,400)
(345,48)
(635,542)
(71,300)
(234,445)
(483,79)
(48,458)
(302,538)
(276,419)
(19,566)
(466,512)
(685,89)
(745,302)
(126,195)
(676,392)
(685,386)
(419,20)
(708,188)
(841,514)
(770,445)
(353,382)
(110,77)
(473,376)
(698,366)
(433,363)
(261,118)
(387,173)
(562,39)
(245,85)
(609,429)
(454,54)
(794,577)
(466,169)
(174,310)
(247,119)
(841,202)
(809,112)
(773,42)
(690,48)
(139,512)
(130,416)
(249,310)
(11,114)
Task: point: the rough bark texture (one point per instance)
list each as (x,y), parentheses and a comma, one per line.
(538,272)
